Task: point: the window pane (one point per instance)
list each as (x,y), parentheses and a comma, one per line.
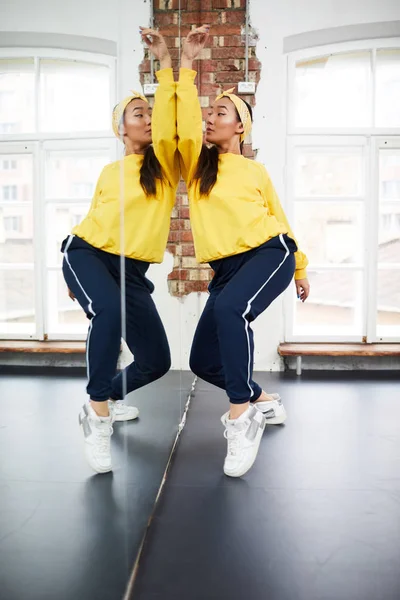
(74,174)
(333,91)
(329,172)
(319,227)
(64,315)
(17,301)
(389,206)
(16,178)
(388,317)
(74,96)
(389,174)
(334,306)
(16,234)
(16,221)
(60,219)
(17,97)
(388,88)
(389,233)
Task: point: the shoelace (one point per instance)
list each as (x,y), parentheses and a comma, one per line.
(233,436)
(104,433)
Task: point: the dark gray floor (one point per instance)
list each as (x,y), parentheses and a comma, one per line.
(66,534)
(318,516)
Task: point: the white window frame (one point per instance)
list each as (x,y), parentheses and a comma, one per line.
(342,48)
(371,139)
(58,54)
(377,143)
(108,144)
(30,148)
(38,144)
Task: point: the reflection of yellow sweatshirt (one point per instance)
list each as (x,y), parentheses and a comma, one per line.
(243,210)
(147,219)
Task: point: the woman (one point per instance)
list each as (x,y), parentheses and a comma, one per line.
(141,188)
(240,229)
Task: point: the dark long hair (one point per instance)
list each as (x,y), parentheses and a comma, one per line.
(150,171)
(207,165)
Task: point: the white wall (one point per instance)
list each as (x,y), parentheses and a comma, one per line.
(116,20)
(94,18)
(119,21)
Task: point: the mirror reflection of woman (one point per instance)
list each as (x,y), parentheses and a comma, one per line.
(143,187)
(240,229)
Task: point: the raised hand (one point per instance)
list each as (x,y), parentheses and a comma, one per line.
(157,46)
(193,44)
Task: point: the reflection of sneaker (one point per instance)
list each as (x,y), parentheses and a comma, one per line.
(243,435)
(273,411)
(97,431)
(122,411)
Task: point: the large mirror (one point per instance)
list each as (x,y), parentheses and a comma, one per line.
(79,480)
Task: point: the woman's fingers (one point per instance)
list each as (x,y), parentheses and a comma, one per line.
(149,31)
(150,36)
(303,289)
(199,34)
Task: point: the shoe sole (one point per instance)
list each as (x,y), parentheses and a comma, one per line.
(246,467)
(279,420)
(96,469)
(125,418)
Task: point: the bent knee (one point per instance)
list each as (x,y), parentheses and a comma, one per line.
(198,367)
(163,368)
(225,307)
(160,368)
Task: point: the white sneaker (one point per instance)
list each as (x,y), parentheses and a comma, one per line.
(122,411)
(97,431)
(244,435)
(273,411)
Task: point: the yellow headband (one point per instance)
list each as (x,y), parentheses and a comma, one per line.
(118,111)
(242,109)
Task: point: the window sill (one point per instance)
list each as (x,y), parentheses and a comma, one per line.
(43,347)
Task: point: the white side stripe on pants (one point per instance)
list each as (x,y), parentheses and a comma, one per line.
(90,305)
(248,309)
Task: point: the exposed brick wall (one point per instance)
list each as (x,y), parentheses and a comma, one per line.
(221,66)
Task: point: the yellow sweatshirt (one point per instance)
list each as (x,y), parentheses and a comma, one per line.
(243,210)
(147,219)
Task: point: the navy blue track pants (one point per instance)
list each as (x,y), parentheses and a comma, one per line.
(242,288)
(93,276)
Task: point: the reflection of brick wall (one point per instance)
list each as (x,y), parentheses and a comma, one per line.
(221,66)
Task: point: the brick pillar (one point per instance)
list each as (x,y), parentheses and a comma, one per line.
(220,66)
